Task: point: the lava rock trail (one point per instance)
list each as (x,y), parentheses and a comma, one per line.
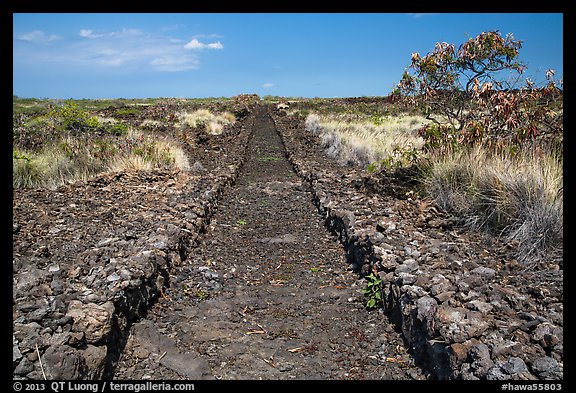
(267,294)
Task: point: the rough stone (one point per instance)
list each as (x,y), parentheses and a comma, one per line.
(63,362)
(94,320)
(547,368)
(547,335)
(458,354)
(484,272)
(514,365)
(95,358)
(459,324)
(480,356)
(189,364)
(28,336)
(481,306)
(408,266)
(16,354)
(30,279)
(426,310)
(24,367)
(496,374)
(406,278)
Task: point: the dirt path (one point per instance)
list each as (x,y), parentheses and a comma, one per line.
(268,294)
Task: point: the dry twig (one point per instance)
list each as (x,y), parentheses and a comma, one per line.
(40,360)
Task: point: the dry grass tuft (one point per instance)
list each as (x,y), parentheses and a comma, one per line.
(77,159)
(517,196)
(214,123)
(354,140)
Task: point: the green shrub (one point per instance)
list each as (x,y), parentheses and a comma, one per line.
(70,117)
(116,129)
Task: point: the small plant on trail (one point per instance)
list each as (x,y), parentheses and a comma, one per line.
(200,294)
(197,293)
(373,292)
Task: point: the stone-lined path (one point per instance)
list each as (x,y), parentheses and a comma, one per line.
(268,294)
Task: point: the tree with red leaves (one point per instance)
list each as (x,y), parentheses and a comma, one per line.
(464,91)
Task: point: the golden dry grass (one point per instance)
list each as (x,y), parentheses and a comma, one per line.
(518,196)
(76,159)
(214,123)
(354,140)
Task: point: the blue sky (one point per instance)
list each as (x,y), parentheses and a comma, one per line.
(109,55)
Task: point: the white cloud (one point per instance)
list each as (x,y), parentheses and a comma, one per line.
(175,63)
(37,36)
(215,45)
(267,85)
(421,14)
(127,32)
(125,50)
(112,62)
(195,44)
(87,33)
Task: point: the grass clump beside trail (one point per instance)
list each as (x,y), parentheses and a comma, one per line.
(68,143)
(518,196)
(77,159)
(361,141)
(213,123)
